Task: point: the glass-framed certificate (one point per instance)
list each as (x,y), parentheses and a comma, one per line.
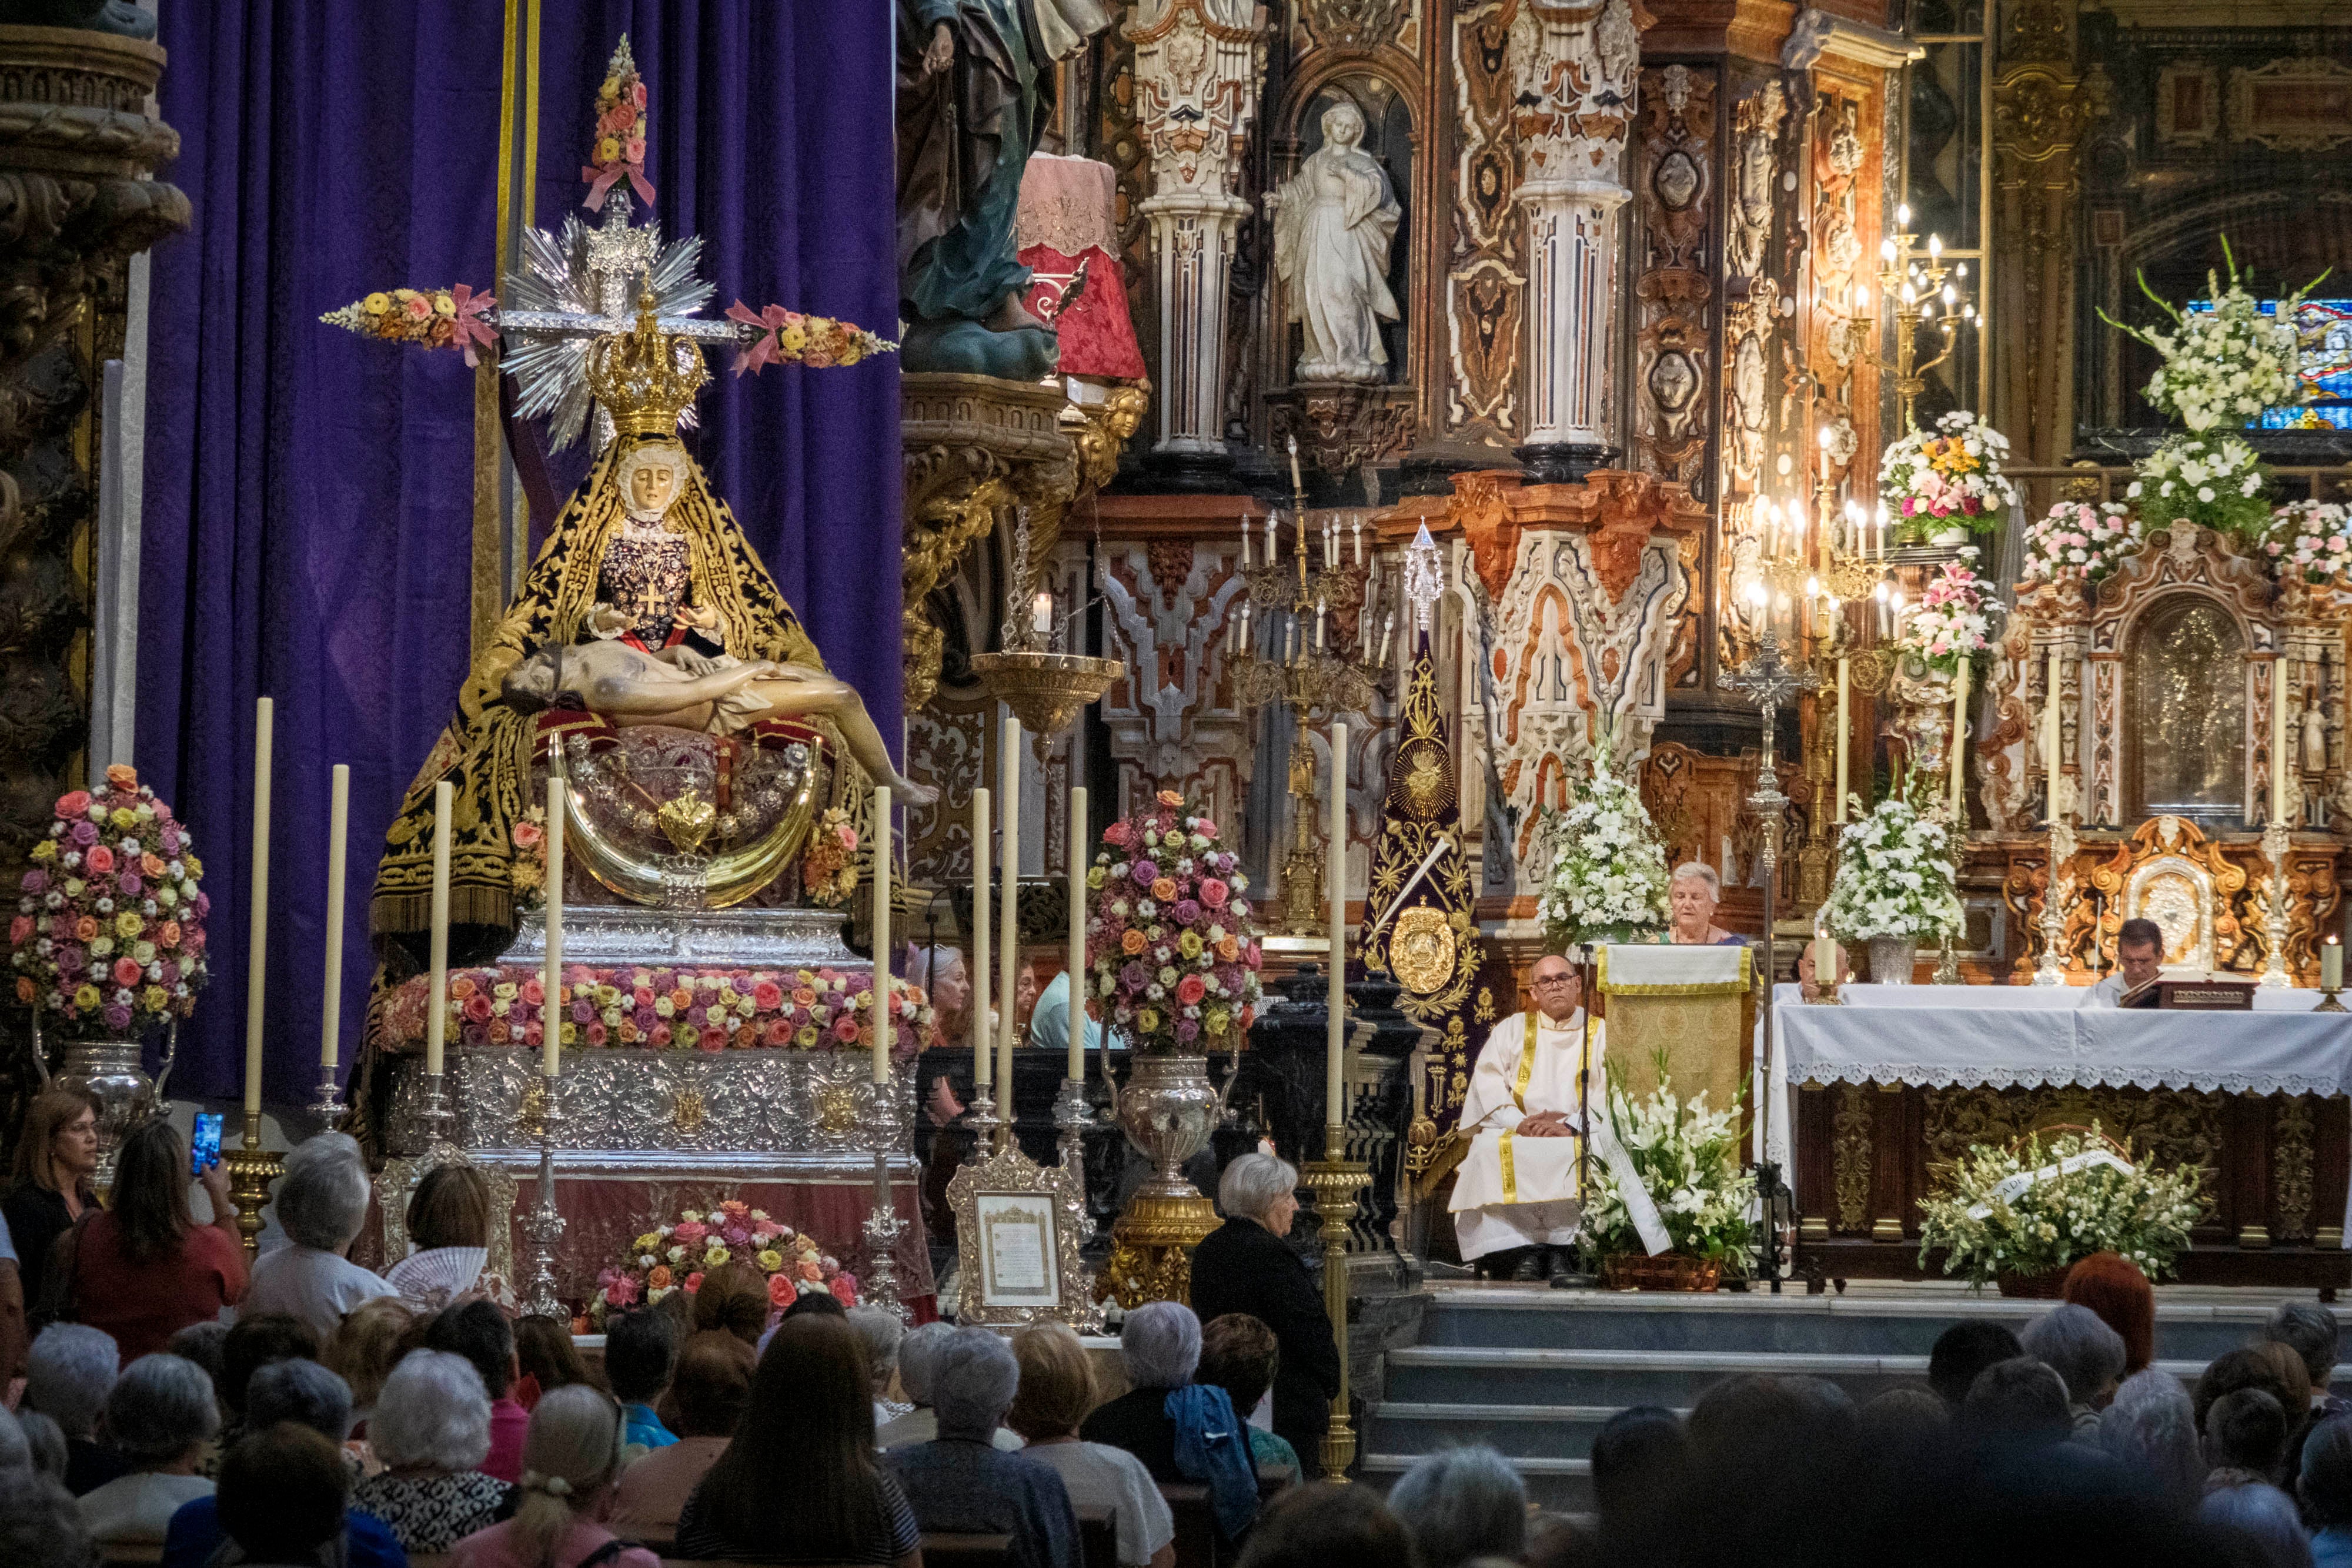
(1018,1226)
(1017,1250)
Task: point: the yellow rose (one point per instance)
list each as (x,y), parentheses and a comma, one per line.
(124,818)
(608,150)
(128,925)
(403,294)
(850,352)
(86,998)
(1189,944)
(376,303)
(715,1258)
(646,1243)
(609,91)
(770,1261)
(152,999)
(444,303)
(195,869)
(794,337)
(45,851)
(1148,1019)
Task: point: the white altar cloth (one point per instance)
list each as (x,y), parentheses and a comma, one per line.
(2039,1036)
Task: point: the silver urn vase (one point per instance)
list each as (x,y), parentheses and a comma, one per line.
(111,1070)
(1168,1108)
(1891,958)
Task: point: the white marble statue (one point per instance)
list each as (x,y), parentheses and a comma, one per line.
(1333,223)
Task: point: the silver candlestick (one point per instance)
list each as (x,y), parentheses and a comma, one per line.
(436,1121)
(545,1225)
(883,1227)
(1072,1118)
(328,1106)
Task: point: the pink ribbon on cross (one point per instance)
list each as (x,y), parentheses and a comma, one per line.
(765,349)
(466,327)
(603,180)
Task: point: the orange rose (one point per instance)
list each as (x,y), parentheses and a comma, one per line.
(659,1278)
(153,864)
(85,929)
(24,990)
(1164,890)
(1229,949)
(123,777)
(1132,941)
(1170,798)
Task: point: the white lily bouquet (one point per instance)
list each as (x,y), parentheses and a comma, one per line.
(1894,876)
(2224,366)
(2033,1210)
(2212,481)
(1688,1159)
(1608,877)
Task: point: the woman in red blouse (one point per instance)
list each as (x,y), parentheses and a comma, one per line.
(143,1269)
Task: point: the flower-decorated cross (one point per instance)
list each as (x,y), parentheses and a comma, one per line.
(582,284)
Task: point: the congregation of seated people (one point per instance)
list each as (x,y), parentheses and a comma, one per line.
(309,1412)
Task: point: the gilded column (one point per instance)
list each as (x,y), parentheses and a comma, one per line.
(2042,107)
(1199,66)
(1577,85)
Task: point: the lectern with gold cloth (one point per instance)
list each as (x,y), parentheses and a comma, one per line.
(1696,1004)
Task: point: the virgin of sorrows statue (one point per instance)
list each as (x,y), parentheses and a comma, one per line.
(646,604)
(1333,223)
(975,88)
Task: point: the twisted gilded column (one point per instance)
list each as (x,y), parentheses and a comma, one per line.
(1199,65)
(1579,83)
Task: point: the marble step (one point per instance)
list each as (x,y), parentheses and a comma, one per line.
(1793,1324)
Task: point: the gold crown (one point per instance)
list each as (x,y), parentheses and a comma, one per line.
(644,378)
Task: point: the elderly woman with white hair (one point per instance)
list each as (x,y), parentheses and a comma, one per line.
(1245,1266)
(1692,894)
(431,1429)
(71,1371)
(159,1417)
(1182,1431)
(919,1355)
(959,1484)
(321,1203)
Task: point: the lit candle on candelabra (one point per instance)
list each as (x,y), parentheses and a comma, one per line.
(1041,619)
(1245,560)
(2331,965)
(1297,484)
(1356,531)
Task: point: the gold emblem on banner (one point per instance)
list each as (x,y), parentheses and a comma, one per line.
(1422,950)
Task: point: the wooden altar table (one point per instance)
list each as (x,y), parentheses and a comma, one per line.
(1867,1098)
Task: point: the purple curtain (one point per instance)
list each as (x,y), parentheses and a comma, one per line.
(308,531)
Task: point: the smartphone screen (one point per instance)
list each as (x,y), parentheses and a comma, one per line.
(205,1150)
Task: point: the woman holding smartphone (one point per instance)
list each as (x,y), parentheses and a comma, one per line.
(143,1269)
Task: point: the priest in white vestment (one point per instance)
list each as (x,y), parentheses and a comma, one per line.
(2140,960)
(1518,1185)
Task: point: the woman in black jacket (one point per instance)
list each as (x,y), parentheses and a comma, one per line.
(1245,1266)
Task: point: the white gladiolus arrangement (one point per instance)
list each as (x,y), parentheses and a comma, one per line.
(1894,876)
(2222,367)
(1608,878)
(1689,1160)
(2035,1209)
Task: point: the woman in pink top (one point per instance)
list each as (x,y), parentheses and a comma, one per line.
(569,1457)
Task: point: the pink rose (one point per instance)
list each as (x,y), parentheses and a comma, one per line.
(767,996)
(1118,833)
(621,1292)
(20,930)
(1215,892)
(689,1232)
(1205,828)
(1190,990)
(844,1288)
(693,1281)
(73,802)
(596,1034)
(126,972)
(532,992)
(100,859)
(713,1040)
(845,1028)
(660,1035)
(782,1292)
(478,1008)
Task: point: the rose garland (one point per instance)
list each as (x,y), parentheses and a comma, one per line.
(675,1257)
(2078,543)
(668,1010)
(829,865)
(109,935)
(1169,940)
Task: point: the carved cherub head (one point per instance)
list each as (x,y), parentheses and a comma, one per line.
(651,476)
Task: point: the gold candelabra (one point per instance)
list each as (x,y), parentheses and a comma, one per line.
(1044,686)
(1317,612)
(251,1169)
(1920,293)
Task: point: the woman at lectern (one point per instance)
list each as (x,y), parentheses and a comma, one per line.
(1692,894)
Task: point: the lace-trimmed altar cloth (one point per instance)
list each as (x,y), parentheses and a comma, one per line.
(2032,1037)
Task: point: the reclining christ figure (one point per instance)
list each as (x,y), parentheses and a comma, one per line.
(685,689)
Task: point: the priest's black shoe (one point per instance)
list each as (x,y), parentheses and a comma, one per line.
(1529,1269)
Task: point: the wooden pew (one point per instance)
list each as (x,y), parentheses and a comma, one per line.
(1098,1538)
(1199,1543)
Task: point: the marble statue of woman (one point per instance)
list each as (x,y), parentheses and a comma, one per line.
(1333,223)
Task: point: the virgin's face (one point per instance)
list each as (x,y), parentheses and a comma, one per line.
(1343,127)
(652,483)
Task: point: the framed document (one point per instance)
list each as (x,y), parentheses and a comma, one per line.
(1017,1236)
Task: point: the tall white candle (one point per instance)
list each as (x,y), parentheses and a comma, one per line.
(983,1060)
(256,959)
(881,937)
(1960,745)
(551,1047)
(1008,917)
(339,818)
(1077,961)
(2278,737)
(1838,811)
(436,1017)
(2051,732)
(1335,860)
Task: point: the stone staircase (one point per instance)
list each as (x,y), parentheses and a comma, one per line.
(1534,1372)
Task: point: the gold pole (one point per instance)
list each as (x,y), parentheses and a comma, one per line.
(1333,1181)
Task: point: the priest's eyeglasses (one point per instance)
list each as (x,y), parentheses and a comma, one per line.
(1551,982)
